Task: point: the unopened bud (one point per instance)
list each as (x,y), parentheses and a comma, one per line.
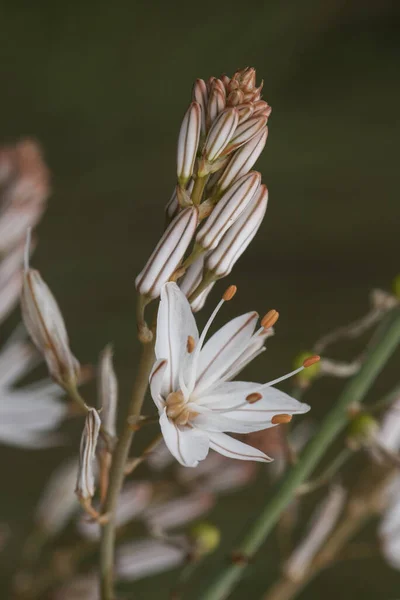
(168,253)
(205,537)
(58,501)
(235,98)
(235,241)
(261,108)
(200,95)
(243,160)
(188,143)
(220,134)
(172,207)
(244,132)
(228,210)
(108,391)
(217,101)
(45,325)
(85,486)
(245,112)
(362,430)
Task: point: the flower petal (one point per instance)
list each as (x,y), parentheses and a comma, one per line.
(156,381)
(228,446)
(175,323)
(209,420)
(222,350)
(189,446)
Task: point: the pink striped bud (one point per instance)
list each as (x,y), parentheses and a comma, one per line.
(191,280)
(217,101)
(200,95)
(188,143)
(262,108)
(245,112)
(173,206)
(168,253)
(243,160)
(228,209)
(221,260)
(244,132)
(108,391)
(85,486)
(220,134)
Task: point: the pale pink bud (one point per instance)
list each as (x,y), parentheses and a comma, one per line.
(235,98)
(147,557)
(217,101)
(198,303)
(245,132)
(228,209)
(243,160)
(200,95)
(191,280)
(179,511)
(173,206)
(245,112)
(188,143)
(225,80)
(262,108)
(45,325)
(221,133)
(221,260)
(168,253)
(85,486)
(108,391)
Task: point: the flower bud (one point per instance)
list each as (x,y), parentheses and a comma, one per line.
(108,391)
(261,108)
(191,280)
(85,487)
(188,143)
(362,431)
(244,132)
(243,160)
(220,134)
(228,209)
(235,241)
(168,253)
(217,101)
(45,325)
(205,537)
(245,112)
(200,95)
(58,501)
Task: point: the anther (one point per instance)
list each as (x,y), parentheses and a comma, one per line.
(281,419)
(190,344)
(311,360)
(229,293)
(270,319)
(252,398)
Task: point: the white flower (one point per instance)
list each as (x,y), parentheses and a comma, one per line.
(190,383)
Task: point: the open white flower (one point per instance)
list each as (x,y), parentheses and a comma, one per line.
(191,383)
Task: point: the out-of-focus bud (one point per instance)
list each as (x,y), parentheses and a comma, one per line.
(146,557)
(85,486)
(217,101)
(192,280)
(179,511)
(309,374)
(45,325)
(188,143)
(205,538)
(244,132)
(228,209)
(362,431)
(108,391)
(220,135)
(58,502)
(243,160)
(200,95)
(83,587)
(168,253)
(235,241)
(9,294)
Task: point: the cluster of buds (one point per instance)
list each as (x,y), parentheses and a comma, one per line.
(219,202)
(24,189)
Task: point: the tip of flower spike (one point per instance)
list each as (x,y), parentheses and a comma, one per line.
(281,419)
(270,319)
(190,344)
(311,360)
(252,398)
(229,293)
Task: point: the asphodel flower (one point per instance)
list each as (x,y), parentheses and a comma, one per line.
(45,324)
(191,382)
(85,484)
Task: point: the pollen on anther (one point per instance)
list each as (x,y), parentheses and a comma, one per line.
(252,398)
(311,360)
(190,344)
(229,293)
(281,419)
(270,319)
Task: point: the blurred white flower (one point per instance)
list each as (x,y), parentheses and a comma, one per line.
(147,557)
(190,383)
(29,414)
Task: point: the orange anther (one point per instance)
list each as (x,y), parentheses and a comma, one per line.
(254,397)
(190,344)
(229,293)
(281,419)
(311,360)
(270,319)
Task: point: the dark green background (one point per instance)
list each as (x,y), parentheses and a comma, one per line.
(103,86)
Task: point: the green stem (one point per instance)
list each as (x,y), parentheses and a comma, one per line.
(198,189)
(332,425)
(117,473)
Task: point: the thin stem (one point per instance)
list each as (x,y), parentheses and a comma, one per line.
(117,473)
(333,424)
(198,189)
(329,472)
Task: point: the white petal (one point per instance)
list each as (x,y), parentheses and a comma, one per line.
(189,446)
(223,348)
(147,557)
(228,446)
(208,420)
(156,381)
(175,323)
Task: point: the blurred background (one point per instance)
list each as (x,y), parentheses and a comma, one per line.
(103,87)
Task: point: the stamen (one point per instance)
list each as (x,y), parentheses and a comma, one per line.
(254,397)
(269,319)
(281,419)
(311,360)
(229,293)
(279,379)
(190,344)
